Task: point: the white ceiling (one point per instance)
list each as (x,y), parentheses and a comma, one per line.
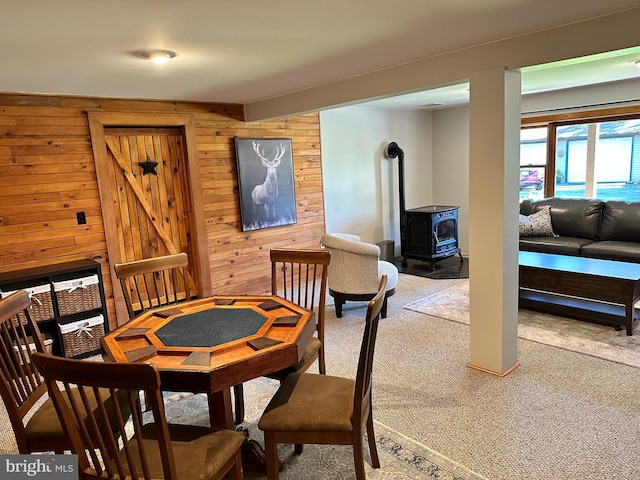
(250,50)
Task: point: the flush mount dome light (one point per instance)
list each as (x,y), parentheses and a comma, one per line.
(158,56)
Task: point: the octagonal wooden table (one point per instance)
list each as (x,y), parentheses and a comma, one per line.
(209,345)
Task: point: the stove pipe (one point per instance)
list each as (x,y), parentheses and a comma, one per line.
(393,151)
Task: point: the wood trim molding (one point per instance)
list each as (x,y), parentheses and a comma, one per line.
(583,116)
(97,123)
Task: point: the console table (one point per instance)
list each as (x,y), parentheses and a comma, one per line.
(595,290)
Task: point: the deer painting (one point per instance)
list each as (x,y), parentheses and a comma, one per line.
(264,195)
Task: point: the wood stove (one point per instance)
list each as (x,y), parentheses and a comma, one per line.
(427,233)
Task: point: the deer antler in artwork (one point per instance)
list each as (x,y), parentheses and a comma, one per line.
(280,149)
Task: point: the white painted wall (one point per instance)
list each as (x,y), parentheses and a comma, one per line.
(360,184)
(451,170)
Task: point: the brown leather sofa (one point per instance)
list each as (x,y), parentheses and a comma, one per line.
(587,227)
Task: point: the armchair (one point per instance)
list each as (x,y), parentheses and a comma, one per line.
(355,270)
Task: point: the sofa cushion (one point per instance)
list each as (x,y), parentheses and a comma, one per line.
(612,250)
(573,217)
(559,245)
(621,221)
(537,224)
(526,206)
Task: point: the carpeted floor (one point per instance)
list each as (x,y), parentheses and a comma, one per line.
(584,337)
(401,457)
(560,415)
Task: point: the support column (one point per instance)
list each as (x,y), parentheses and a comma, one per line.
(494,159)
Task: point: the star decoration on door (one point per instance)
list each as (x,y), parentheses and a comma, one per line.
(148,166)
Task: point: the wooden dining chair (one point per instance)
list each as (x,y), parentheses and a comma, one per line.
(299,276)
(323,409)
(154,450)
(154,282)
(32,414)
(21,386)
(162,281)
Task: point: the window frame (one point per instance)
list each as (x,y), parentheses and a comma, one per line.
(554,121)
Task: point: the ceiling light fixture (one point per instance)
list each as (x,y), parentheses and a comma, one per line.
(158,56)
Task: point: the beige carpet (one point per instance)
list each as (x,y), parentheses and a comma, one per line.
(401,458)
(561,415)
(575,335)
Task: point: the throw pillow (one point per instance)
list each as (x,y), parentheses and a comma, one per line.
(537,224)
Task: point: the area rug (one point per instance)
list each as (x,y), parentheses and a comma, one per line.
(400,457)
(583,337)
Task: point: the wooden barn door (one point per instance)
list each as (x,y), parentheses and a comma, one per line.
(145,177)
(150,205)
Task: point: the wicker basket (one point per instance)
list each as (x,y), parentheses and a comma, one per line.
(82,336)
(41,307)
(77,295)
(48,347)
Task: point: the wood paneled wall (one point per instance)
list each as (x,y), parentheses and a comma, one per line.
(47,174)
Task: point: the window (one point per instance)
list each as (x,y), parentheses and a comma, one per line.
(589,158)
(533,162)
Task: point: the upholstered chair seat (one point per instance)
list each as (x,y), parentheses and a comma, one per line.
(188,443)
(44,426)
(314,403)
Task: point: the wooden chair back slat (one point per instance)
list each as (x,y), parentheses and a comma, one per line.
(154,282)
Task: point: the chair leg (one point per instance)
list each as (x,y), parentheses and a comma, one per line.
(238,400)
(383,310)
(298,448)
(236,470)
(339,302)
(358,458)
(271,456)
(373,448)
